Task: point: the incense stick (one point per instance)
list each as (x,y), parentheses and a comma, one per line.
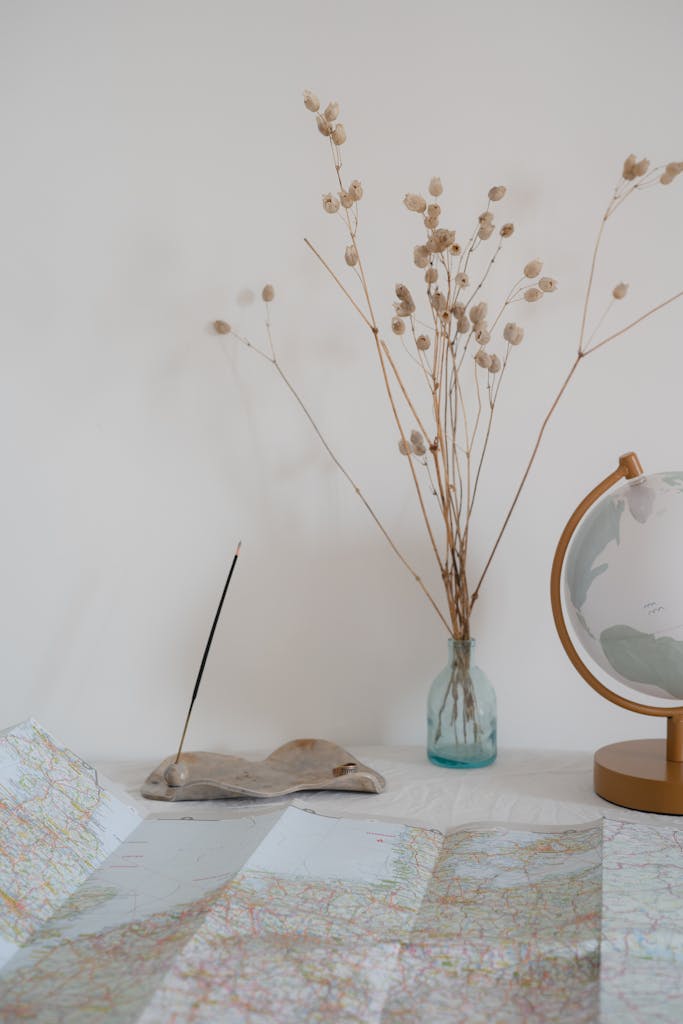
(206,651)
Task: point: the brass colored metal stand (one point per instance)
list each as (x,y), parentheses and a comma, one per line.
(646,775)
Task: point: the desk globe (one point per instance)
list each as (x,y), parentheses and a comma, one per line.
(623,592)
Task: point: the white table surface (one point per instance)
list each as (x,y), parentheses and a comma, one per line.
(525,787)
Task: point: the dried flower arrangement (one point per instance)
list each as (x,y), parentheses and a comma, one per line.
(462,352)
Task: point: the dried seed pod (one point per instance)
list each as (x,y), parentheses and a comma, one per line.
(462,280)
(311,101)
(533,268)
(414,202)
(486,217)
(418,442)
(431,223)
(483,359)
(351,255)
(433,210)
(455,248)
(221,327)
(330,203)
(463,325)
(628,170)
(404,308)
(268,293)
(431,275)
(507,230)
(497,192)
(331,112)
(458,309)
(422,342)
(533,294)
(346,199)
(641,168)
(439,301)
(513,334)
(403,293)
(440,240)
(485,231)
(397,325)
(339,134)
(323,126)
(356,189)
(421,256)
(481,335)
(671,171)
(619,290)
(478,312)
(495,364)
(435,187)
(404,447)
(548,284)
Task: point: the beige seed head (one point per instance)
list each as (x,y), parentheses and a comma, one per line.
(422,342)
(463,325)
(356,189)
(346,199)
(339,135)
(415,203)
(268,293)
(548,284)
(641,168)
(434,210)
(397,325)
(323,127)
(311,101)
(495,364)
(440,240)
(403,292)
(431,223)
(221,327)
(483,359)
(486,217)
(671,171)
(533,294)
(462,280)
(533,268)
(507,230)
(497,192)
(331,111)
(435,187)
(485,231)
(351,255)
(439,301)
(418,442)
(628,171)
(478,312)
(431,275)
(513,334)
(455,248)
(458,309)
(330,203)
(404,308)
(619,290)
(421,256)
(404,447)
(481,335)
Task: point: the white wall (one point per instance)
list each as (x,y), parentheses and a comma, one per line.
(157,160)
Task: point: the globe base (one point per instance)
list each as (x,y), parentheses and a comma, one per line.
(636,774)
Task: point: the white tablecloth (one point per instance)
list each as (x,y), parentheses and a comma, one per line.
(525,787)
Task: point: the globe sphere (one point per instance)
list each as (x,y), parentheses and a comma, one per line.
(623,584)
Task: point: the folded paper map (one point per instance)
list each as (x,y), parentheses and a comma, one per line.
(292,916)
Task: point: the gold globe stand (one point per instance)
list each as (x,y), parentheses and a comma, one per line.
(646,775)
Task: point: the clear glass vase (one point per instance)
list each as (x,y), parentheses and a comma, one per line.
(461,712)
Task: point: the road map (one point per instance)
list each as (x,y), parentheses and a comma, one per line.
(293,916)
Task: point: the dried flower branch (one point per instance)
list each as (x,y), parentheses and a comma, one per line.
(461,354)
